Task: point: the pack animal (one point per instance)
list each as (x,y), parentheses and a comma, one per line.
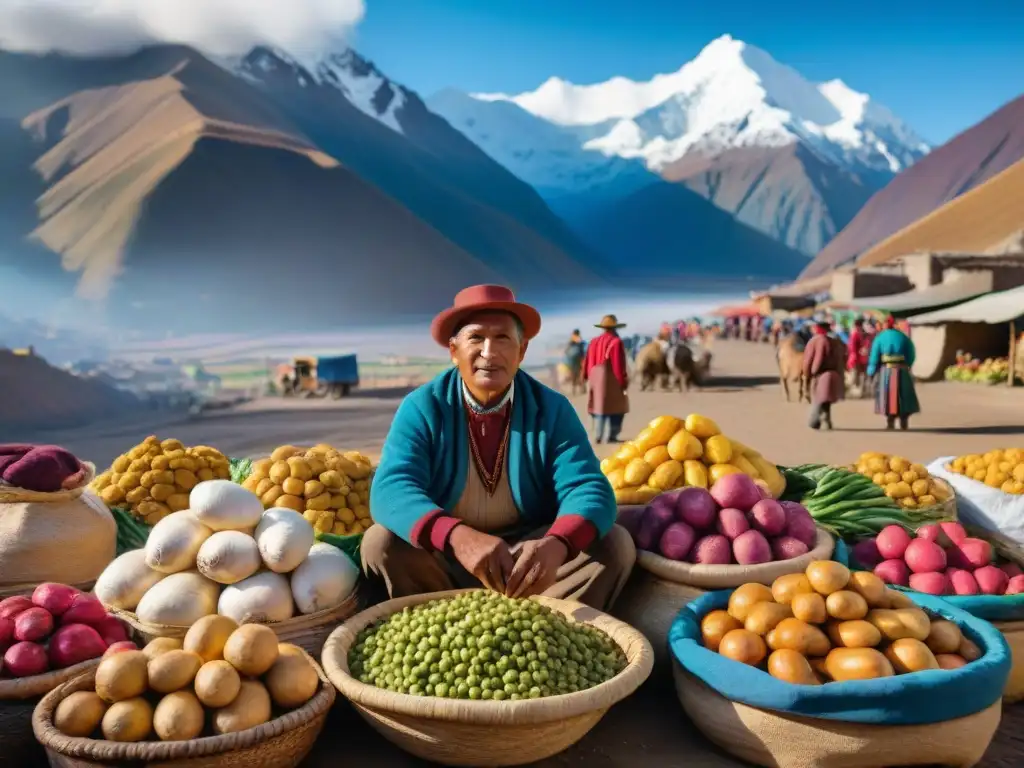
(673,364)
(790,357)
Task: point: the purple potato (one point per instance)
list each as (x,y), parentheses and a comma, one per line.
(768,517)
(656,519)
(800,524)
(630,518)
(696,508)
(677,541)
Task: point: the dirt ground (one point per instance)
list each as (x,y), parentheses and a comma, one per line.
(744,398)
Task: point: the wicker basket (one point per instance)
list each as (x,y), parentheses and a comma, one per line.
(486,733)
(781,740)
(658,588)
(308,632)
(281,743)
(18,698)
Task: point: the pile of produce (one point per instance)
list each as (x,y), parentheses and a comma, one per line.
(991,370)
(941,560)
(483,645)
(732,523)
(851,505)
(674,453)
(226,555)
(57,627)
(1002,468)
(154,478)
(831,625)
(329,487)
(222,678)
(907,483)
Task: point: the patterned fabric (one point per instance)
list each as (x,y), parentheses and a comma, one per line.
(895,394)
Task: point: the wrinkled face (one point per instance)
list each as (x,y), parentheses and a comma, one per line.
(488,350)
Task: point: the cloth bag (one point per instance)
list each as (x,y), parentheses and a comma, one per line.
(67,537)
(980,505)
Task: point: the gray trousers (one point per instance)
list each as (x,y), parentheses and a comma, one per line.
(821,414)
(610,423)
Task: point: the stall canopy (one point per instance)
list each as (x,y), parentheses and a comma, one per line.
(940,295)
(993,308)
(743,310)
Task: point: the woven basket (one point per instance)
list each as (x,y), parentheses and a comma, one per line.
(18,698)
(308,632)
(281,743)
(780,740)
(658,588)
(486,733)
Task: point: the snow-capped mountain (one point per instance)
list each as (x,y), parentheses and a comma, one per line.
(731,103)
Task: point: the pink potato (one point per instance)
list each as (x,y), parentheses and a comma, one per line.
(768,517)
(962,582)
(751,548)
(74,643)
(892,542)
(924,556)
(56,598)
(934,532)
(954,530)
(977,552)
(736,490)
(1011,569)
(696,508)
(111,629)
(893,571)
(33,625)
(84,609)
(866,553)
(931,583)
(6,632)
(1015,586)
(800,523)
(787,547)
(991,580)
(712,550)
(732,522)
(657,517)
(677,541)
(123,645)
(12,606)
(25,660)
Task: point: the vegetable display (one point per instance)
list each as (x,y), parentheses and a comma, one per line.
(155,478)
(57,627)
(907,483)
(830,625)
(483,645)
(228,555)
(850,505)
(941,560)
(991,370)
(327,486)
(673,453)
(222,678)
(734,522)
(1002,468)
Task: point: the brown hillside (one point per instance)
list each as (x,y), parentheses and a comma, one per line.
(975,222)
(961,164)
(786,192)
(39,396)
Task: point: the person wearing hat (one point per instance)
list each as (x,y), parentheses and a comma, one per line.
(575,352)
(892,356)
(824,362)
(487,476)
(605,371)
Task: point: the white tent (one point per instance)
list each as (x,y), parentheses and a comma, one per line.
(1001,307)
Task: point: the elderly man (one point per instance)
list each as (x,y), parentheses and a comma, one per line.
(487,476)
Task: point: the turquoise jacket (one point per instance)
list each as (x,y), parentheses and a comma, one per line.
(890,342)
(552,469)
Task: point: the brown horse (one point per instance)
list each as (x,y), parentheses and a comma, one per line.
(790,357)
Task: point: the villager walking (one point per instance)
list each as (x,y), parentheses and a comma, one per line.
(823,368)
(606,374)
(575,351)
(892,357)
(857,359)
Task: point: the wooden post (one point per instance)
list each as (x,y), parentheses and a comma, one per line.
(1013,353)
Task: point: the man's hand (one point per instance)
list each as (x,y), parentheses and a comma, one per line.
(486,557)
(537,564)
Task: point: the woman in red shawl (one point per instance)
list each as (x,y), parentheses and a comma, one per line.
(824,362)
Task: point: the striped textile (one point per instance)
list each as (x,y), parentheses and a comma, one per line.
(895,394)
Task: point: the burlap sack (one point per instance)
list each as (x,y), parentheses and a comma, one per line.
(778,740)
(658,588)
(67,537)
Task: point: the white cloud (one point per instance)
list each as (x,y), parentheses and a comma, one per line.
(217,27)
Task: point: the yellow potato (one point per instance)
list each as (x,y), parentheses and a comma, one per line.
(718,450)
(694,474)
(666,475)
(657,455)
(683,446)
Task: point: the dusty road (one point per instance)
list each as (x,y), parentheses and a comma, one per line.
(746,401)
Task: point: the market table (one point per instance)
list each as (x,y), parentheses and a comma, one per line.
(648,727)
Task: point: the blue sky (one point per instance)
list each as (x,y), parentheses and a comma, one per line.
(939,65)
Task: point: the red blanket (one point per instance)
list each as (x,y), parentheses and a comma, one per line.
(43,468)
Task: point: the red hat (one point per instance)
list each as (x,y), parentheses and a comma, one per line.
(483,298)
